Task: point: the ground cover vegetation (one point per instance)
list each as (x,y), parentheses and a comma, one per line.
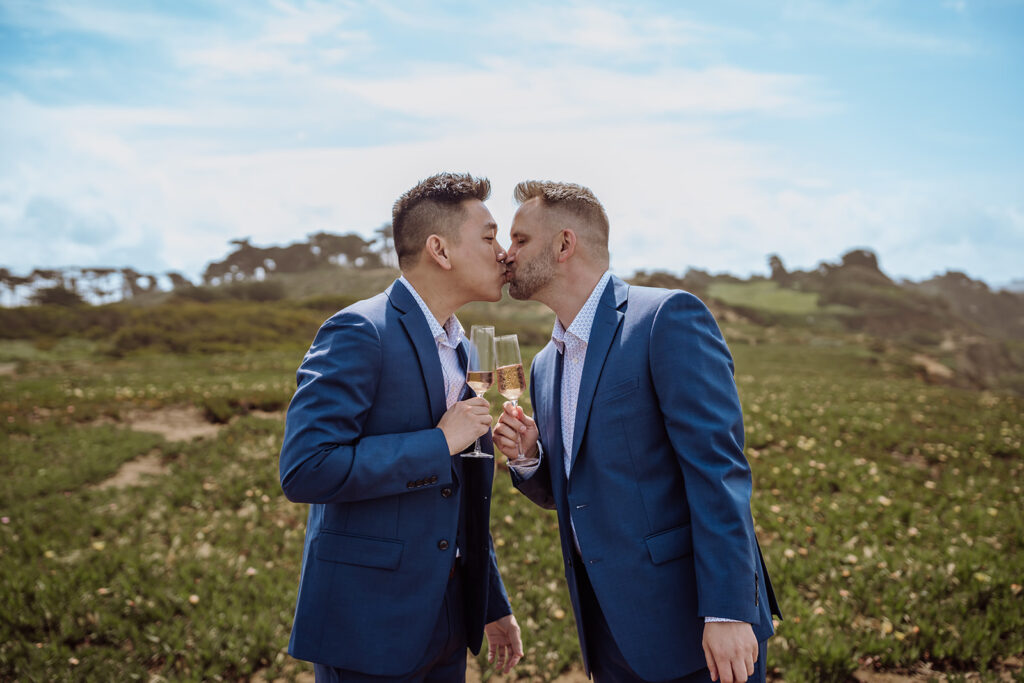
(886,500)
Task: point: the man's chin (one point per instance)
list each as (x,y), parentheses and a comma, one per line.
(516,293)
(496,293)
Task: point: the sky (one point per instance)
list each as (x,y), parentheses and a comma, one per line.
(150,134)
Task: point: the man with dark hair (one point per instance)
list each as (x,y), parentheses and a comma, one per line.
(399,575)
(640,436)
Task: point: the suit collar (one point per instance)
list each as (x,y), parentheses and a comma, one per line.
(415,324)
(450,333)
(583,322)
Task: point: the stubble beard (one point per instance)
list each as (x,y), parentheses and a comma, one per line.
(530,277)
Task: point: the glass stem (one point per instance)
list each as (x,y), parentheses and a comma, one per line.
(519,441)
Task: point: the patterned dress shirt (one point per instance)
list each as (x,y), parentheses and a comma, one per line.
(448,338)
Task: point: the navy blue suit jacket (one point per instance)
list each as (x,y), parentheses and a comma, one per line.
(659,488)
(361,447)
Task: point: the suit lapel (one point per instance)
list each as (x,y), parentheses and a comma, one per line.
(559,483)
(606,321)
(548,377)
(425,345)
(463,352)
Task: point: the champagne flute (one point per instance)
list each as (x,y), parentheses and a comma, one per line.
(511,383)
(480,371)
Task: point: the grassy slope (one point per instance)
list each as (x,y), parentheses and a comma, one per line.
(887,510)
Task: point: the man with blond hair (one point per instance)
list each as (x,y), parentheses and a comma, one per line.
(639,430)
(399,575)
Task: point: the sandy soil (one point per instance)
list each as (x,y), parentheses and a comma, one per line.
(182,423)
(135,472)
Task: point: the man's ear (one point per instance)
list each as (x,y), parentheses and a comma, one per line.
(566,245)
(437,249)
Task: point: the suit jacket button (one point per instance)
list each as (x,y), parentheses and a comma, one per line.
(446,492)
(442,544)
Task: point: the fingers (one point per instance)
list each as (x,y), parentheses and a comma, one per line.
(504,644)
(464,422)
(517,650)
(712,665)
(499,658)
(507,428)
(726,670)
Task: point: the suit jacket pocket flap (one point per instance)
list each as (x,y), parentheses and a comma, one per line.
(665,546)
(364,551)
(617,391)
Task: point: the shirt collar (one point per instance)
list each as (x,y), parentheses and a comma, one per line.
(584,320)
(450,334)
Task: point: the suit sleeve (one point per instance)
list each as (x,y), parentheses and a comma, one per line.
(693,380)
(498,605)
(325,457)
(537,485)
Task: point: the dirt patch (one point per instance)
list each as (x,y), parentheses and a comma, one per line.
(268,415)
(8,369)
(174,424)
(134,472)
(934,371)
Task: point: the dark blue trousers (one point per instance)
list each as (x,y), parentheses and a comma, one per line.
(445,658)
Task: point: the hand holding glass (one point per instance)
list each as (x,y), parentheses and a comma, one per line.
(511,384)
(480,371)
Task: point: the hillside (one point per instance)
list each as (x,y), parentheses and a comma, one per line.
(949,329)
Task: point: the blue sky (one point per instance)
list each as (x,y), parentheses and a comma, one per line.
(149,134)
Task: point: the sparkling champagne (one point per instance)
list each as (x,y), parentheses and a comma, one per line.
(480,382)
(511,381)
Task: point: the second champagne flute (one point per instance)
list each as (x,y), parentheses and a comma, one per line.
(480,371)
(511,383)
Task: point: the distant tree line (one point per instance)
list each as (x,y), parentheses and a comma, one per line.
(246,263)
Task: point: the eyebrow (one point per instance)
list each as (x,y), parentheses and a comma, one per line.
(490,226)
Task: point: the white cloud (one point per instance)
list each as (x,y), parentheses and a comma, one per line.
(678,195)
(271,144)
(506,94)
(600,29)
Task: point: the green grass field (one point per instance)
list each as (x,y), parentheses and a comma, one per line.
(888,511)
(775,302)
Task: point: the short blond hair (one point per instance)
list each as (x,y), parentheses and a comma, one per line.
(432,207)
(575,200)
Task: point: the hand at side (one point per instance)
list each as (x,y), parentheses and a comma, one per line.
(730,648)
(504,644)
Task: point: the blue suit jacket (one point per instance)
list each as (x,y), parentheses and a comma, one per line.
(659,488)
(362,448)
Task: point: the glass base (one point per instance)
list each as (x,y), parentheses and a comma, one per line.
(481,454)
(523,462)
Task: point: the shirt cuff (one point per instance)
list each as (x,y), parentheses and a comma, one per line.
(708,620)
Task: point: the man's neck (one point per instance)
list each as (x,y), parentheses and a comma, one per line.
(571,294)
(437,299)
